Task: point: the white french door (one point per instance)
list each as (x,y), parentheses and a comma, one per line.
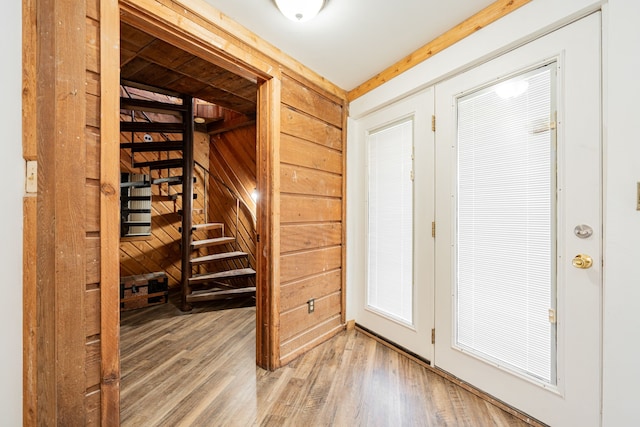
(518,210)
(396,298)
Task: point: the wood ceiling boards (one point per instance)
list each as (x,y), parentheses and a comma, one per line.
(147,60)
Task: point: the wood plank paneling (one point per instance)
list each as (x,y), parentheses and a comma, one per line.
(296,237)
(311,102)
(29,318)
(93,48)
(311,215)
(296,151)
(93,259)
(310,128)
(302,264)
(92,313)
(296,294)
(92,194)
(310,338)
(62,212)
(92,363)
(92,140)
(92,405)
(300,180)
(309,209)
(299,320)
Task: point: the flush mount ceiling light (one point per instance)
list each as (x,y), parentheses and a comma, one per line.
(300,10)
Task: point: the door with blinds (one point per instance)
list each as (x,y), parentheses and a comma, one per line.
(518,209)
(396,299)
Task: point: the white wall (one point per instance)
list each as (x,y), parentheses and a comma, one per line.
(621,370)
(621,85)
(12,177)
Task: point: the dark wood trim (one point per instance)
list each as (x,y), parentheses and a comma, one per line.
(267,228)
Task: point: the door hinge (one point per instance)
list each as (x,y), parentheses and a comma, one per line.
(433,229)
(433,123)
(552,315)
(412,176)
(433,336)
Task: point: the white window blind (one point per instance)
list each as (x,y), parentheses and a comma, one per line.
(390,221)
(506,224)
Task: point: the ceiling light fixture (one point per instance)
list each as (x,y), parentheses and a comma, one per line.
(300,10)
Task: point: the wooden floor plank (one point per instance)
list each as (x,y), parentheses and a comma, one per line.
(198,369)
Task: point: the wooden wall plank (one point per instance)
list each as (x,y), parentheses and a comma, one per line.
(92,349)
(299,320)
(93,259)
(92,403)
(311,102)
(92,194)
(486,16)
(302,264)
(92,140)
(296,294)
(29,80)
(309,209)
(29,318)
(297,237)
(304,342)
(310,128)
(92,46)
(109,392)
(300,180)
(92,313)
(299,152)
(62,218)
(93,110)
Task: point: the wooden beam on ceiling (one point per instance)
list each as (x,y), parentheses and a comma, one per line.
(486,16)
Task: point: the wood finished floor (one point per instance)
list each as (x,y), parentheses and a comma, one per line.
(198,369)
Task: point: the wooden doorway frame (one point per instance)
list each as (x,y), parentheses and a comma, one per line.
(190,31)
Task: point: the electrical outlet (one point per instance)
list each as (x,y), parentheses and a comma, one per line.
(311,305)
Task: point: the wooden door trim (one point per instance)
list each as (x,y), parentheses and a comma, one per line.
(179,29)
(109,213)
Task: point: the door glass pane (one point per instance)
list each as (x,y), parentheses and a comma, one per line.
(505,243)
(390,225)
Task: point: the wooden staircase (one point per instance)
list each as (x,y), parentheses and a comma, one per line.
(205,262)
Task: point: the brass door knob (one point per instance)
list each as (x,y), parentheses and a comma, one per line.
(582,261)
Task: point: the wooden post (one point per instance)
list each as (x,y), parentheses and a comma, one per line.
(187,200)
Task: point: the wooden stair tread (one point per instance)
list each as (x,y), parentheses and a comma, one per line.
(151,106)
(160,164)
(208,226)
(151,127)
(135,184)
(211,242)
(168,179)
(145,147)
(224,256)
(208,295)
(222,275)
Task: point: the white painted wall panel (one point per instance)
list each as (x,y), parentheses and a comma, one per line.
(12,167)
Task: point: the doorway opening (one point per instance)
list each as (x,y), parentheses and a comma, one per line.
(189,134)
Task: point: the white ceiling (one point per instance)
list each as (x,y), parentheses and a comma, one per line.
(351,41)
